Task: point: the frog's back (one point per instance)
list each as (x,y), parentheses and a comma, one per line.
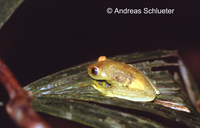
(142,81)
(134,78)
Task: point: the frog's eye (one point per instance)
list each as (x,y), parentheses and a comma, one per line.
(95,70)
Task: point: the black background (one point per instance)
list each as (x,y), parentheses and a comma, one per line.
(44,37)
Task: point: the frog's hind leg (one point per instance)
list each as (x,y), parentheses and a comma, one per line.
(133,94)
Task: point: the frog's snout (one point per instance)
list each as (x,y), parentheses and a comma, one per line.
(88,68)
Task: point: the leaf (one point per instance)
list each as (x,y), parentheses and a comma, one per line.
(68,94)
(7,7)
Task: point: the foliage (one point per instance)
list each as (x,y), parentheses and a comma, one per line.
(7,8)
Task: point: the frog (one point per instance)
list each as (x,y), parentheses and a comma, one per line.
(125,81)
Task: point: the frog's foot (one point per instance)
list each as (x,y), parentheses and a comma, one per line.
(104,84)
(102,89)
(95,84)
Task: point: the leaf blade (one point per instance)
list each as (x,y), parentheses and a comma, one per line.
(74,83)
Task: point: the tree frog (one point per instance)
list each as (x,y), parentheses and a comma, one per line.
(127,82)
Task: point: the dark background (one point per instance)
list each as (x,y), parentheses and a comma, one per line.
(44,37)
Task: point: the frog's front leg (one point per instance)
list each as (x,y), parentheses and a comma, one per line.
(103,89)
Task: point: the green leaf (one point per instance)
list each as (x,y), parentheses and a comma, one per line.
(7,7)
(68,94)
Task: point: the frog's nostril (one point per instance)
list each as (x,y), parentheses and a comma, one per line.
(88,68)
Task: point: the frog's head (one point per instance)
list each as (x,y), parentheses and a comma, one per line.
(98,69)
